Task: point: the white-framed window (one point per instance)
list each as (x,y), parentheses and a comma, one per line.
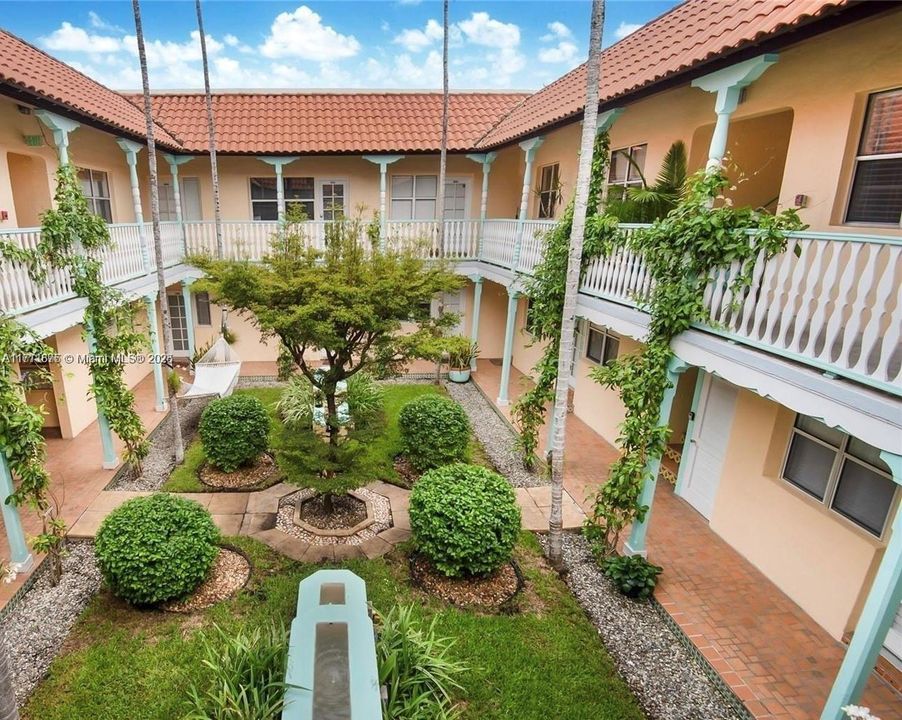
(602,346)
(179,322)
(413,197)
(627,166)
(202,308)
(95,186)
(299,191)
(876,194)
(456,198)
(189,192)
(549,190)
(333,198)
(843,473)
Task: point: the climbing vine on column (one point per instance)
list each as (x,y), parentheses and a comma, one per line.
(545,289)
(682,252)
(73,238)
(22,442)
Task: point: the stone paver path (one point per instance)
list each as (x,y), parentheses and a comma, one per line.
(254,515)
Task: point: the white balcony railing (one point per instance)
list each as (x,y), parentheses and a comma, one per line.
(836,305)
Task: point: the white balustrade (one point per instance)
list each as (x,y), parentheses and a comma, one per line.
(836,303)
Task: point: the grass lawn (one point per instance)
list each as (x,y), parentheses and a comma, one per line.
(296,451)
(542,663)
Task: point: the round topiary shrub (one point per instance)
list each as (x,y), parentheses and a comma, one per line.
(234,431)
(435,431)
(156,548)
(465,519)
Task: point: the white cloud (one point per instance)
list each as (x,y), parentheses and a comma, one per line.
(231,40)
(100,24)
(409,2)
(557,31)
(69,38)
(564,52)
(482,29)
(625,29)
(302,34)
(414,40)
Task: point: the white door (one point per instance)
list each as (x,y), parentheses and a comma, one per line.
(893,641)
(452,303)
(179,325)
(708,444)
(333,196)
(455,199)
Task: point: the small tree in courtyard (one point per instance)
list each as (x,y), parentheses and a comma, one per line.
(347,300)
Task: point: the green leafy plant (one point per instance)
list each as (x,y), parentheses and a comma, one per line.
(461,352)
(246,671)
(295,405)
(435,431)
(416,668)
(465,519)
(682,252)
(199,352)
(286,367)
(156,548)
(234,430)
(365,397)
(175,382)
(230,336)
(633,575)
(545,289)
(647,203)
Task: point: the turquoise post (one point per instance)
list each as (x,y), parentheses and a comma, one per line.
(110,460)
(15,535)
(636,543)
(530,148)
(512,298)
(474,321)
(150,302)
(876,616)
(189,313)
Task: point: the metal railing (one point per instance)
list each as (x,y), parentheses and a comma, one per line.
(835,302)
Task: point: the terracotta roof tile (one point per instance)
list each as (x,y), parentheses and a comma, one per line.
(331,122)
(37,74)
(688,35)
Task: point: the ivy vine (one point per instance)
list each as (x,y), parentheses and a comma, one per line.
(545,289)
(682,252)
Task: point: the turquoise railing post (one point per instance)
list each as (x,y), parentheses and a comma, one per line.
(513,298)
(150,303)
(635,545)
(474,321)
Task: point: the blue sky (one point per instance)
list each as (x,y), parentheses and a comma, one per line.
(334,44)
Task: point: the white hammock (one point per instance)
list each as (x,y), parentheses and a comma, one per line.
(216,373)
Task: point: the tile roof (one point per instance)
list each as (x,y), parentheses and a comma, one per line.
(332,122)
(688,35)
(44,78)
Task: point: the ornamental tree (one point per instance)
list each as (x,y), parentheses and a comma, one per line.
(350,300)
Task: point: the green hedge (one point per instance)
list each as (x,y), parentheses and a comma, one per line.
(234,431)
(435,431)
(156,548)
(465,519)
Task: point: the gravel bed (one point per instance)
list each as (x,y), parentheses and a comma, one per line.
(662,672)
(35,629)
(495,434)
(160,460)
(381,516)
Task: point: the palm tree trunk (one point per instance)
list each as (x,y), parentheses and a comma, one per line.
(8,709)
(214,170)
(442,166)
(574,262)
(168,347)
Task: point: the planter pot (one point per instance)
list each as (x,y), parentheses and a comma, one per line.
(459,376)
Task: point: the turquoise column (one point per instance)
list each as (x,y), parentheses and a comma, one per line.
(486,160)
(279,163)
(876,616)
(512,299)
(110,460)
(474,321)
(60,127)
(131,150)
(189,313)
(174,161)
(383,161)
(159,386)
(635,545)
(15,535)
(530,148)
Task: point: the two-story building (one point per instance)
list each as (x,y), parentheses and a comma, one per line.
(786,415)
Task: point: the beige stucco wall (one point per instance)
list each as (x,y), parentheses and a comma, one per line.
(527,351)
(819,560)
(492,318)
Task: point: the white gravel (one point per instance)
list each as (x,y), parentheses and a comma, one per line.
(161,459)
(39,622)
(381,516)
(666,678)
(495,434)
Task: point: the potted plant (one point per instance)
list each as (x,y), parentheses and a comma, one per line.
(461,353)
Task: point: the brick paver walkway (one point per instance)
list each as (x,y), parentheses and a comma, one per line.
(776,659)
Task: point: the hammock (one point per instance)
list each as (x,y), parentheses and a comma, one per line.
(216,373)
